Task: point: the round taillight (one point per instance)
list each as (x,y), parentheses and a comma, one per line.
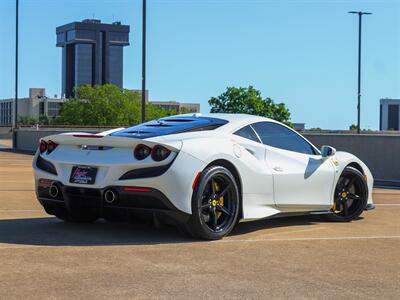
(141,152)
(160,153)
(42,146)
(51,146)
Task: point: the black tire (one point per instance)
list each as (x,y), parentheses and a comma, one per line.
(215,204)
(350,197)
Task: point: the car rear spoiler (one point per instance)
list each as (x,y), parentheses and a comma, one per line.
(101,139)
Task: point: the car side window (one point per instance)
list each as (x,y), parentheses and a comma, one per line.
(278,136)
(248,133)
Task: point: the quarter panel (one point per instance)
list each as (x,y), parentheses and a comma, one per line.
(256,177)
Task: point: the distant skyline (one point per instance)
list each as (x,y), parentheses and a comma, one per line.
(302,53)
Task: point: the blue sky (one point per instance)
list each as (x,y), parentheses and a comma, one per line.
(303,53)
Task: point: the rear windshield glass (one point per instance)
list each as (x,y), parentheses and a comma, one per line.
(171,125)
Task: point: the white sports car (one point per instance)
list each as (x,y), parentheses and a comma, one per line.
(203,172)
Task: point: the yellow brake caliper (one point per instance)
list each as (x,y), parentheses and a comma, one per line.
(343,195)
(216,189)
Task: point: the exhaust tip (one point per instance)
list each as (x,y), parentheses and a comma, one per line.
(54,191)
(110,196)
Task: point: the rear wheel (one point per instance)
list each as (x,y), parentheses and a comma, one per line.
(215,204)
(351,196)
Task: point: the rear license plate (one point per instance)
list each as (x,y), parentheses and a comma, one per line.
(83,175)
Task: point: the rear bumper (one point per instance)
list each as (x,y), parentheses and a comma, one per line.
(129,201)
(173,179)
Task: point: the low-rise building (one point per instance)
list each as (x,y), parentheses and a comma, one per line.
(389,114)
(299,126)
(34,106)
(37,104)
(179,107)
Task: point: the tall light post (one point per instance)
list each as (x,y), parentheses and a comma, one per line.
(144,62)
(15,121)
(360,14)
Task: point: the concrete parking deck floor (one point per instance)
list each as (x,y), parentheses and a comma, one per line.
(302,257)
(5,143)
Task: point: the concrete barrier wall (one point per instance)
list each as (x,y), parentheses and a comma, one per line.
(381,152)
(5,132)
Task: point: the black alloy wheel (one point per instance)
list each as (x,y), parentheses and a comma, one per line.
(351,196)
(215,204)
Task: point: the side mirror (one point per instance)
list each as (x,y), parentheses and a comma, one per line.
(327,151)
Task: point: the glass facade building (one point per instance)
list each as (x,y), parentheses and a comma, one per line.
(83,64)
(92,53)
(389,114)
(6,110)
(115,63)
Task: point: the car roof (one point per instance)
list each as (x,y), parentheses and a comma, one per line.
(235,121)
(171,125)
(214,123)
(231,117)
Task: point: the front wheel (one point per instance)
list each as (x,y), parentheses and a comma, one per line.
(215,204)
(351,196)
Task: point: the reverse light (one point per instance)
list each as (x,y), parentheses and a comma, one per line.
(51,146)
(160,153)
(42,147)
(141,151)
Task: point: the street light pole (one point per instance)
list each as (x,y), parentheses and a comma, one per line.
(15,121)
(360,14)
(144,62)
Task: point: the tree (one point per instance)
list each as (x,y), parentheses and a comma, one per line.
(44,120)
(27,120)
(249,101)
(353,127)
(106,105)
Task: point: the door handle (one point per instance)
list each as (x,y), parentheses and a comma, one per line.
(278,169)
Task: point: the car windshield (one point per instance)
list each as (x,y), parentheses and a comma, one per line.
(171,125)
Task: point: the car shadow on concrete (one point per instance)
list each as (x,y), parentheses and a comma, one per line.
(279,222)
(265,224)
(50,231)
